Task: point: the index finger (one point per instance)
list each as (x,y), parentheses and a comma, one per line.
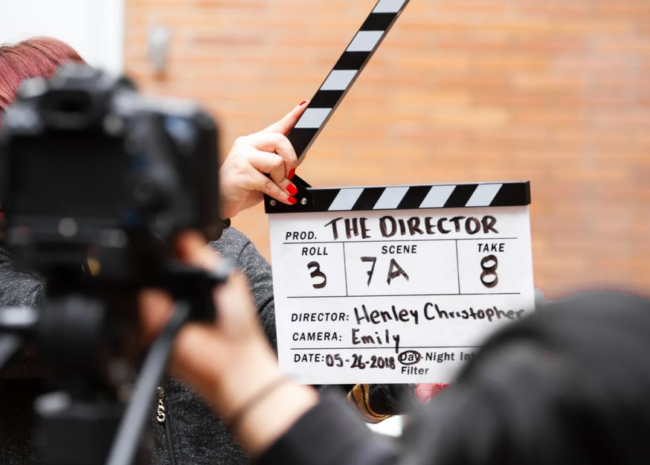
(287,123)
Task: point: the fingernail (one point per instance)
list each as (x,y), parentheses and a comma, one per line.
(291,189)
(292,200)
(292,173)
(302,103)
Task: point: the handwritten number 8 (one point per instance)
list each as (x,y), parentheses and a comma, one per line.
(490,271)
(317,273)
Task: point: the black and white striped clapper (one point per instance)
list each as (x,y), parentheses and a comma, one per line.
(502,194)
(345,72)
(439,267)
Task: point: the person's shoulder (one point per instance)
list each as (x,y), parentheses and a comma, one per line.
(235,246)
(231,244)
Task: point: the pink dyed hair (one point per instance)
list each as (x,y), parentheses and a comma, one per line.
(37,57)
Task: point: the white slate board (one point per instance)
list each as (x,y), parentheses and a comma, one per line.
(395,295)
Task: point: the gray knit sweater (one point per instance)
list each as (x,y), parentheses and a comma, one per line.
(198,437)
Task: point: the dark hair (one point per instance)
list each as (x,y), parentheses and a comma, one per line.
(569,385)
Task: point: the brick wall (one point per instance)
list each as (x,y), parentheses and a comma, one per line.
(553,91)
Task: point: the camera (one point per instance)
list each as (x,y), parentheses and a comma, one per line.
(93,172)
(95,182)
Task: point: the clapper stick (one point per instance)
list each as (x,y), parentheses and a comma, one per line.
(344,74)
(331,93)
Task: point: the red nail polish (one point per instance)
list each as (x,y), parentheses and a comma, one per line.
(302,103)
(292,189)
(292,200)
(292,173)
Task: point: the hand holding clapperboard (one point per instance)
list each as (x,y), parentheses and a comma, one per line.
(396,284)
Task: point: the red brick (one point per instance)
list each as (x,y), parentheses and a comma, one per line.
(552,91)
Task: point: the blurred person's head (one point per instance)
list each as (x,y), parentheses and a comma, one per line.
(569,385)
(37,57)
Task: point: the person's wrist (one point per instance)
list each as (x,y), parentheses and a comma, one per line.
(246,373)
(272,415)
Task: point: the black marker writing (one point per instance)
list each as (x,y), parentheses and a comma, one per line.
(395,271)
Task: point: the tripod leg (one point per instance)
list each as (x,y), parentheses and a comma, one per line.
(134,422)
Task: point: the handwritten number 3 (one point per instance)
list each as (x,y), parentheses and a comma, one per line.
(490,271)
(317,273)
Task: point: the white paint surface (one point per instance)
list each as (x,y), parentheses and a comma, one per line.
(95,28)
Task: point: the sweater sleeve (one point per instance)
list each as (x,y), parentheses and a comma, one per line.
(330,434)
(235,246)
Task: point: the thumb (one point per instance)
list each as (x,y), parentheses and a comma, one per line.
(287,123)
(192,250)
(156,308)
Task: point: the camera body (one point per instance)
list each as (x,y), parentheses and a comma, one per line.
(95,181)
(90,170)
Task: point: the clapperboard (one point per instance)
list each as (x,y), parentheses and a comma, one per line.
(393,284)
